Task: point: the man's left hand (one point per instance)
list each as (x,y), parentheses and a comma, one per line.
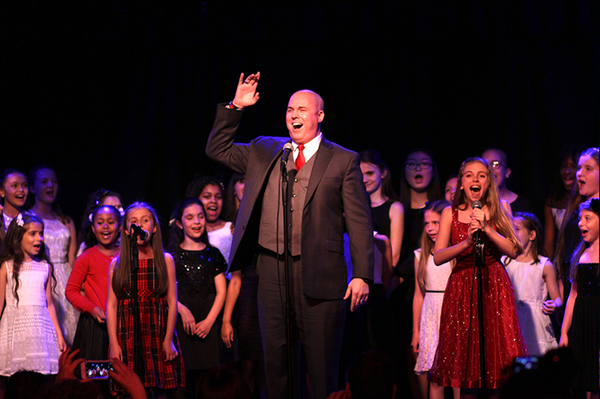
(359,291)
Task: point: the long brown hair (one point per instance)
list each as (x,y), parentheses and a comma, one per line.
(12,246)
(374,158)
(491,198)
(427,243)
(122,271)
(30,201)
(532,223)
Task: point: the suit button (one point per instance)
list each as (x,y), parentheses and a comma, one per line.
(294,195)
(295,180)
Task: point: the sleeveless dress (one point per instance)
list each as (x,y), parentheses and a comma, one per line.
(585,329)
(153,321)
(435,285)
(456,362)
(222,239)
(196,271)
(530,294)
(27,335)
(6,221)
(57,238)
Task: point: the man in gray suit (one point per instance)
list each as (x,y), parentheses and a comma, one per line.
(326,198)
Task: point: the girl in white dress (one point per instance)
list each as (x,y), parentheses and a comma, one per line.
(533,277)
(30,336)
(430,283)
(60,239)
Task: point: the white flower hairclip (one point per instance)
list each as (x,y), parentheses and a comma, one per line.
(19,219)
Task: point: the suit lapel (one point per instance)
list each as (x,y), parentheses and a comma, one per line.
(266,163)
(322,158)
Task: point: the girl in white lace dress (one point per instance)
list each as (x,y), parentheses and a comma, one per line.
(533,278)
(60,239)
(30,336)
(430,283)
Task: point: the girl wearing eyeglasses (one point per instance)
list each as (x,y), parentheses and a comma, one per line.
(419,184)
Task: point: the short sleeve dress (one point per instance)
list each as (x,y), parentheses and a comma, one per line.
(196,271)
(456,362)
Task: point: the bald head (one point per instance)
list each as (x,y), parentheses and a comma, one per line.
(304,116)
(318,100)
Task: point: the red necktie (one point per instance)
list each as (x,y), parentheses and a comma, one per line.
(300,161)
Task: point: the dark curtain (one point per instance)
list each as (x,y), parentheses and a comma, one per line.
(122,94)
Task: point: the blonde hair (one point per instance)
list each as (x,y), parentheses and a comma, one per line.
(502,219)
(427,243)
(123,264)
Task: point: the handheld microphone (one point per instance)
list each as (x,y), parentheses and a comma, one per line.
(287,150)
(476,205)
(141,233)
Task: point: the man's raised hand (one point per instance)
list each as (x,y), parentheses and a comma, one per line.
(246,94)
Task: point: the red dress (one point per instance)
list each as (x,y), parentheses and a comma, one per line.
(456,362)
(153,317)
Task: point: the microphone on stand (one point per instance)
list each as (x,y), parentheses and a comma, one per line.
(476,205)
(287,150)
(141,233)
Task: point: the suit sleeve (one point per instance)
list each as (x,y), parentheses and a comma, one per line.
(220,146)
(359,224)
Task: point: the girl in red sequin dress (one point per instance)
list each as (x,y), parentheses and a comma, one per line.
(456,362)
(157,299)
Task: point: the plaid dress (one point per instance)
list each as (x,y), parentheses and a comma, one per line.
(153,322)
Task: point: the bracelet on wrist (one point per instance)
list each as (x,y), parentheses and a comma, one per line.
(231,105)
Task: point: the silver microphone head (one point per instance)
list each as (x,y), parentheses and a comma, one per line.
(477,204)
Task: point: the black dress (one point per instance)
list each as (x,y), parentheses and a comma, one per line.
(196,271)
(585,331)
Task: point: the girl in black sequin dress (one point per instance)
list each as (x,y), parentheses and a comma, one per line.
(201,288)
(580,329)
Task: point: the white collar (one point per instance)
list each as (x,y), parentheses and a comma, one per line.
(310,148)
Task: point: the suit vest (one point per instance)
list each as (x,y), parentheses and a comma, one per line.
(271,221)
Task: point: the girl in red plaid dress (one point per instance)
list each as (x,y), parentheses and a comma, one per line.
(157,301)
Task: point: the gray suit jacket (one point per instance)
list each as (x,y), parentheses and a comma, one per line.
(336,201)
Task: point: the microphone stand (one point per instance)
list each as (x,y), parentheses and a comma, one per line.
(479,264)
(286,262)
(138,356)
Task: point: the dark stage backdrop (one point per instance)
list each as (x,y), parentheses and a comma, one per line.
(122,94)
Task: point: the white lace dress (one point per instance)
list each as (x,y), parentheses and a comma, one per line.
(435,285)
(27,336)
(222,239)
(6,220)
(530,294)
(57,238)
